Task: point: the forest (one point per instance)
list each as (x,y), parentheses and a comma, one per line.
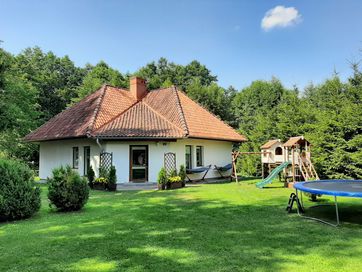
(36,85)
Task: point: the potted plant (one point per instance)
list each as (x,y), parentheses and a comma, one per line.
(175,182)
(162,179)
(168,182)
(112,179)
(100,183)
(182,174)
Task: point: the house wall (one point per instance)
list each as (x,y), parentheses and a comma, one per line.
(215,152)
(121,156)
(57,153)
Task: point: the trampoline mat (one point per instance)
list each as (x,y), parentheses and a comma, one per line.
(351,188)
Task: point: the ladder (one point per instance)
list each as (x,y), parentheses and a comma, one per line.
(307,169)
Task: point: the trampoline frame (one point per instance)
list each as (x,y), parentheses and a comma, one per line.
(299,197)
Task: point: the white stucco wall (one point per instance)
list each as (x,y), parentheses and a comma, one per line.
(121,155)
(215,152)
(56,153)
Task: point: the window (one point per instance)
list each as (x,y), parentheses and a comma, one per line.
(199,155)
(75,157)
(86,159)
(188,156)
(278,151)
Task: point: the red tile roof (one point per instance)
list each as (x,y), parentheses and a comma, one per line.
(114,113)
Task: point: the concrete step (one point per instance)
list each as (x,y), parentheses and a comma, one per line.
(136,186)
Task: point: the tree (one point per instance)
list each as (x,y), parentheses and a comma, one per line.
(98,75)
(18,110)
(55,78)
(162,73)
(212,97)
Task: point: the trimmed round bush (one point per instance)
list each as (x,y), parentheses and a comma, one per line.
(19,197)
(67,190)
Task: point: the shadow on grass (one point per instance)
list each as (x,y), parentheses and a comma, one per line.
(182,230)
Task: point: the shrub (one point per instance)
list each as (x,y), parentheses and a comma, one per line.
(173,173)
(67,191)
(90,175)
(112,177)
(101,181)
(19,197)
(174,179)
(182,172)
(162,176)
(103,173)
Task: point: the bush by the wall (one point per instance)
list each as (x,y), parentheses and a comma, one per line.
(19,197)
(112,179)
(182,172)
(103,172)
(67,191)
(162,176)
(90,175)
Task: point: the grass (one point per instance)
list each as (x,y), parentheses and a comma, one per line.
(211,227)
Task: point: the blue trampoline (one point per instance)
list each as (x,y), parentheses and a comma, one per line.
(336,188)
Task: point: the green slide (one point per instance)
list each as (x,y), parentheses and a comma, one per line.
(272,175)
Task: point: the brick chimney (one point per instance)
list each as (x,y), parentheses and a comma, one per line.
(138,87)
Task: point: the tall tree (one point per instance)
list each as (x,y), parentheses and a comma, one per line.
(55,78)
(18,110)
(98,75)
(157,73)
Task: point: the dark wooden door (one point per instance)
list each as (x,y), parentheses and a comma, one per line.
(138,163)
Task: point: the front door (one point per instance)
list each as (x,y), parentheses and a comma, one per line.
(138,163)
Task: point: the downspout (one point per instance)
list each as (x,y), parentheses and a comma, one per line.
(99,144)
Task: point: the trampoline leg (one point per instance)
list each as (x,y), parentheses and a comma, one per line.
(337,214)
(313,218)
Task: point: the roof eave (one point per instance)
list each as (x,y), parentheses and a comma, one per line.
(38,140)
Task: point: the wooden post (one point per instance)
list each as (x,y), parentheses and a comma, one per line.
(234,158)
(293,165)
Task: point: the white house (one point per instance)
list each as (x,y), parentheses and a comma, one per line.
(138,131)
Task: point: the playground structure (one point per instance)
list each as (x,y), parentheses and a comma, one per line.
(292,157)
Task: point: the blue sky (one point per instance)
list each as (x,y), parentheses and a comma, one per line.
(306,44)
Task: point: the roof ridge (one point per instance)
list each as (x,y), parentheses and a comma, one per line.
(118,88)
(96,110)
(217,117)
(159,114)
(181,112)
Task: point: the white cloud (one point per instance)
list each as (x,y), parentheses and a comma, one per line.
(280,16)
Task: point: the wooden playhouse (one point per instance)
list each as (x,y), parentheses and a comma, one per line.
(296,151)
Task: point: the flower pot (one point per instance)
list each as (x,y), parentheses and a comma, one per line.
(99,186)
(112,187)
(161,186)
(168,185)
(176,185)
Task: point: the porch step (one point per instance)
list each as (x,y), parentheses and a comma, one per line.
(136,186)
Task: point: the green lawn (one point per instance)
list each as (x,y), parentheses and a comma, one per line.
(214,227)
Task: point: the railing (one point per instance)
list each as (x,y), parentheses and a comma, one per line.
(309,170)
